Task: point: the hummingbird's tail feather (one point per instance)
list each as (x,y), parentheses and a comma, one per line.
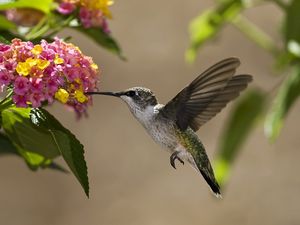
(204,167)
(211,181)
(200,161)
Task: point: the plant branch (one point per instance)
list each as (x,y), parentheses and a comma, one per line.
(32,33)
(58,28)
(255,34)
(39,33)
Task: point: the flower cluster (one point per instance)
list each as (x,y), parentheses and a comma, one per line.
(40,73)
(91,13)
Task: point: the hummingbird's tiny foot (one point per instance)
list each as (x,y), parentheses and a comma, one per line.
(180,160)
(173,157)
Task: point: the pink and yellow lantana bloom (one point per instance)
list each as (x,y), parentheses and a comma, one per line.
(91,13)
(39,74)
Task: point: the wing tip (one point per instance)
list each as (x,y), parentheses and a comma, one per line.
(248,77)
(232,59)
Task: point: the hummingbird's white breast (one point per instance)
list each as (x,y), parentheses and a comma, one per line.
(161,129)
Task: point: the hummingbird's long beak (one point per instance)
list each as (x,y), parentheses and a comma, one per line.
(115,94)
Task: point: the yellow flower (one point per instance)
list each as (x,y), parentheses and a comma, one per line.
(94,66)
(58,60)
(31,62)
(104,8)
(78,80)
(62,95)
(99,4)
(37,49)
(23,68)
(80,96)
(42,64)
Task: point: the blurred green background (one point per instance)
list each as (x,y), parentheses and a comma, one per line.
(130,177)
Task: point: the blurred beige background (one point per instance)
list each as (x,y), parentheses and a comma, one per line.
(131,180)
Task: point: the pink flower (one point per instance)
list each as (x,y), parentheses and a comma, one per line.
(21,85)
(5,77)
(66,8)
(43,72)
(90,13)
(5,51)
(20,100)
(52,86)
(85,16)
(49,97)
(105,27)
(93,18)
(36,99)
(4,47)
(36,85)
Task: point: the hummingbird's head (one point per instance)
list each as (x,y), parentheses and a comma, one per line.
(137,98)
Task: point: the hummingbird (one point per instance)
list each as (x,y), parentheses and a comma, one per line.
(174,125)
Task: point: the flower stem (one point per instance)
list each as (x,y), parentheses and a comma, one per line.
(39,33)
(36,29)
(255,34)
(64,24)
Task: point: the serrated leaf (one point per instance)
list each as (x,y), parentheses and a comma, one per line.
(72,152)
(288,93)
(241,121)
(208,24)
(7,148)
(45,6)
(5,24)
(103,39)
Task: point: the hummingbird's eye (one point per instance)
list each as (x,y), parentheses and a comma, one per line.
(130,93)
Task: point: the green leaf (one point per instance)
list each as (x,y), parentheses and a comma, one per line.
(242,120)
(3,39)
(288,93)
(39,138)
(201,29)
(6,147)
(208,24)
(33,160)
(45,6)
(291,23)
(103,39)
(291,29)
(72,150)
(7,36)
(5,24)
(35,143)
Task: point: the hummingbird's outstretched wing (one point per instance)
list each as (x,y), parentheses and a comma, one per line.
(207,95)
